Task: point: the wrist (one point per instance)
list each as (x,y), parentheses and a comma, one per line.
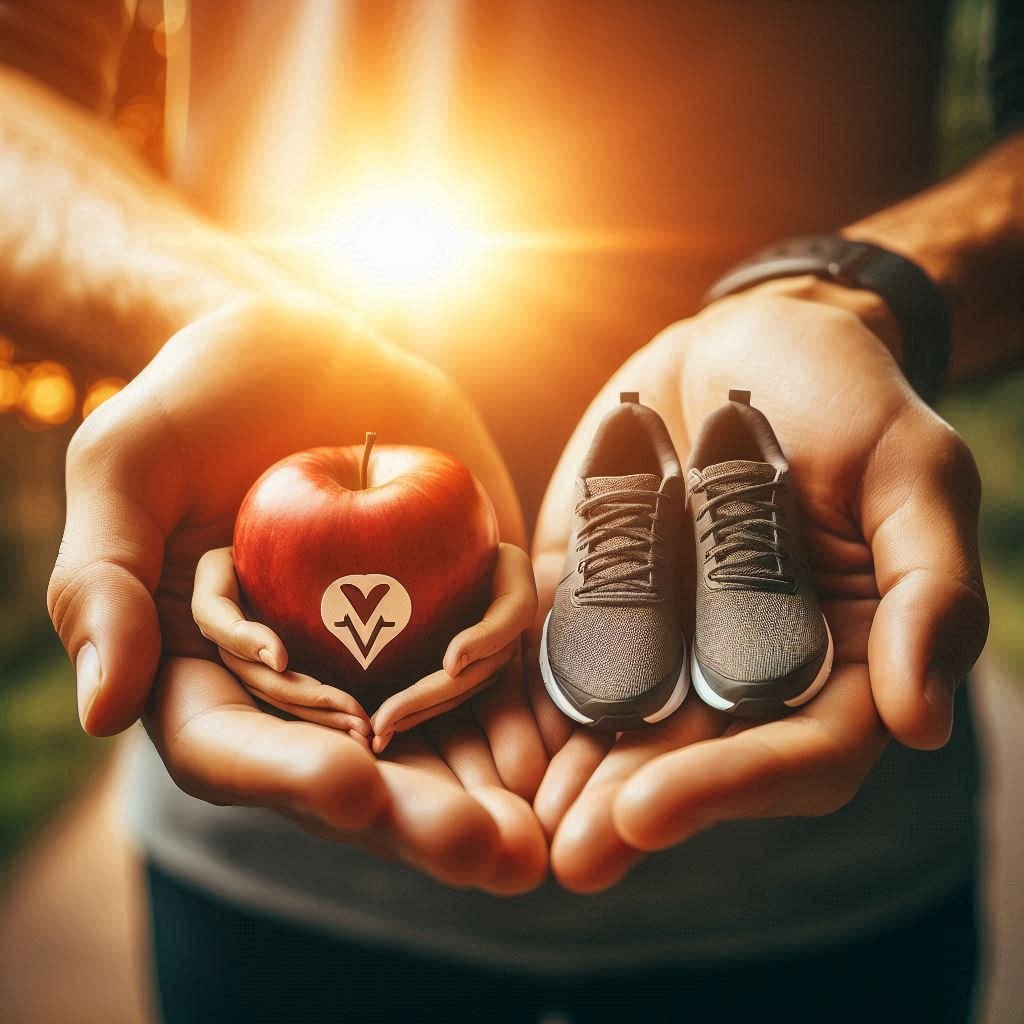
(869,307)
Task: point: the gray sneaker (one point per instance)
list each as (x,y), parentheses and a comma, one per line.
(613,654)
(761,645)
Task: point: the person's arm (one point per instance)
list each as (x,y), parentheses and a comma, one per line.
(100,261)
(102,264)
(968,234)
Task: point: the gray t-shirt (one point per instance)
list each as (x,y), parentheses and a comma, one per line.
(653,144)
(744,889)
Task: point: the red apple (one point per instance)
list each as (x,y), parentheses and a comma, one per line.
(366,566)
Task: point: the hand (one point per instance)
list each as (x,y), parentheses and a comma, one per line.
(155,478)
(257,656)
(889,496)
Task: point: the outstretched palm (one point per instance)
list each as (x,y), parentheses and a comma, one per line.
(889,497)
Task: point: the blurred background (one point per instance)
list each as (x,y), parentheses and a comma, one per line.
(65,871)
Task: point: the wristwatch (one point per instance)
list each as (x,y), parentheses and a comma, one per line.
(912,297)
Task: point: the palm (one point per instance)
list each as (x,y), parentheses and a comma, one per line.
(835,419)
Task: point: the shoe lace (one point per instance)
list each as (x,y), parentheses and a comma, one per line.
(750,544)
(630,517)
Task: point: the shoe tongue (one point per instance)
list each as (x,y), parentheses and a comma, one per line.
(598,485)
(753,472)
(634,482)
(742,473)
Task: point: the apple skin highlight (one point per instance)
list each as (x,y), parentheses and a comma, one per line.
(423,519)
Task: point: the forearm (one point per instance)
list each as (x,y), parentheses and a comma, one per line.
(100,261)
(968,234)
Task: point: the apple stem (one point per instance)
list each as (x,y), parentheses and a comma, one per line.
(367,447)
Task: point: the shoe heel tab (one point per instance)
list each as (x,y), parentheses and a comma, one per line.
(629,396)
(743,397)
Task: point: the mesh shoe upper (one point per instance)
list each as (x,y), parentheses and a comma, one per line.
(619,639)
(750,635)
(757,616)
(613,653)
(614,634)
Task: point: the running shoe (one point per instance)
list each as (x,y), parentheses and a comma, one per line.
(761,645)
(613,654)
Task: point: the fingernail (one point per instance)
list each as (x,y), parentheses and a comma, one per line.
(267,658)
(939,684)
(87,669)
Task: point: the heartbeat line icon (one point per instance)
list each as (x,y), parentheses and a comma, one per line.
(349,605)
(368,646)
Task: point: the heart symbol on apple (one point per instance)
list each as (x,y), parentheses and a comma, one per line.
(366,568)
(366,620)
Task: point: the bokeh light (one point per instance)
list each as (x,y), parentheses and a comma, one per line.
(98,392)
(48,396)
(12,381)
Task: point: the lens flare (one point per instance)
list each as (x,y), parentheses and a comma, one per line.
(405,242)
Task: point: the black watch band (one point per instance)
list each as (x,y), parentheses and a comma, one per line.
(911,295)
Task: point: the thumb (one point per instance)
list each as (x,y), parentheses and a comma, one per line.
(932,621)
(100,593)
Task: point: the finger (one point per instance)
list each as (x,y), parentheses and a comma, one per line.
(810,763)
(437,689)
(569,771)
(331,719)
(381,742)
(459,742)
(511,612)
(216,608)
(221,748)
(503,713)
(920,518)
(522,861)
(439,828)
(416,751)
(587,853)
(100,593)
(296,689)
(555,728)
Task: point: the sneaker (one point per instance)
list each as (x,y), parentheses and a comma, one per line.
(761,645)
(613,654)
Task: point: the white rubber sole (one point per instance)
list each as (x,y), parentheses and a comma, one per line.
(715,700)
(676,698)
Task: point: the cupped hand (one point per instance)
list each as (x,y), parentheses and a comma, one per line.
(472,660)
(889,495)
(154,480)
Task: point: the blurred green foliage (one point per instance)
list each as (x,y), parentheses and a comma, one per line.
(990,416)
(44,754)
(991,419)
